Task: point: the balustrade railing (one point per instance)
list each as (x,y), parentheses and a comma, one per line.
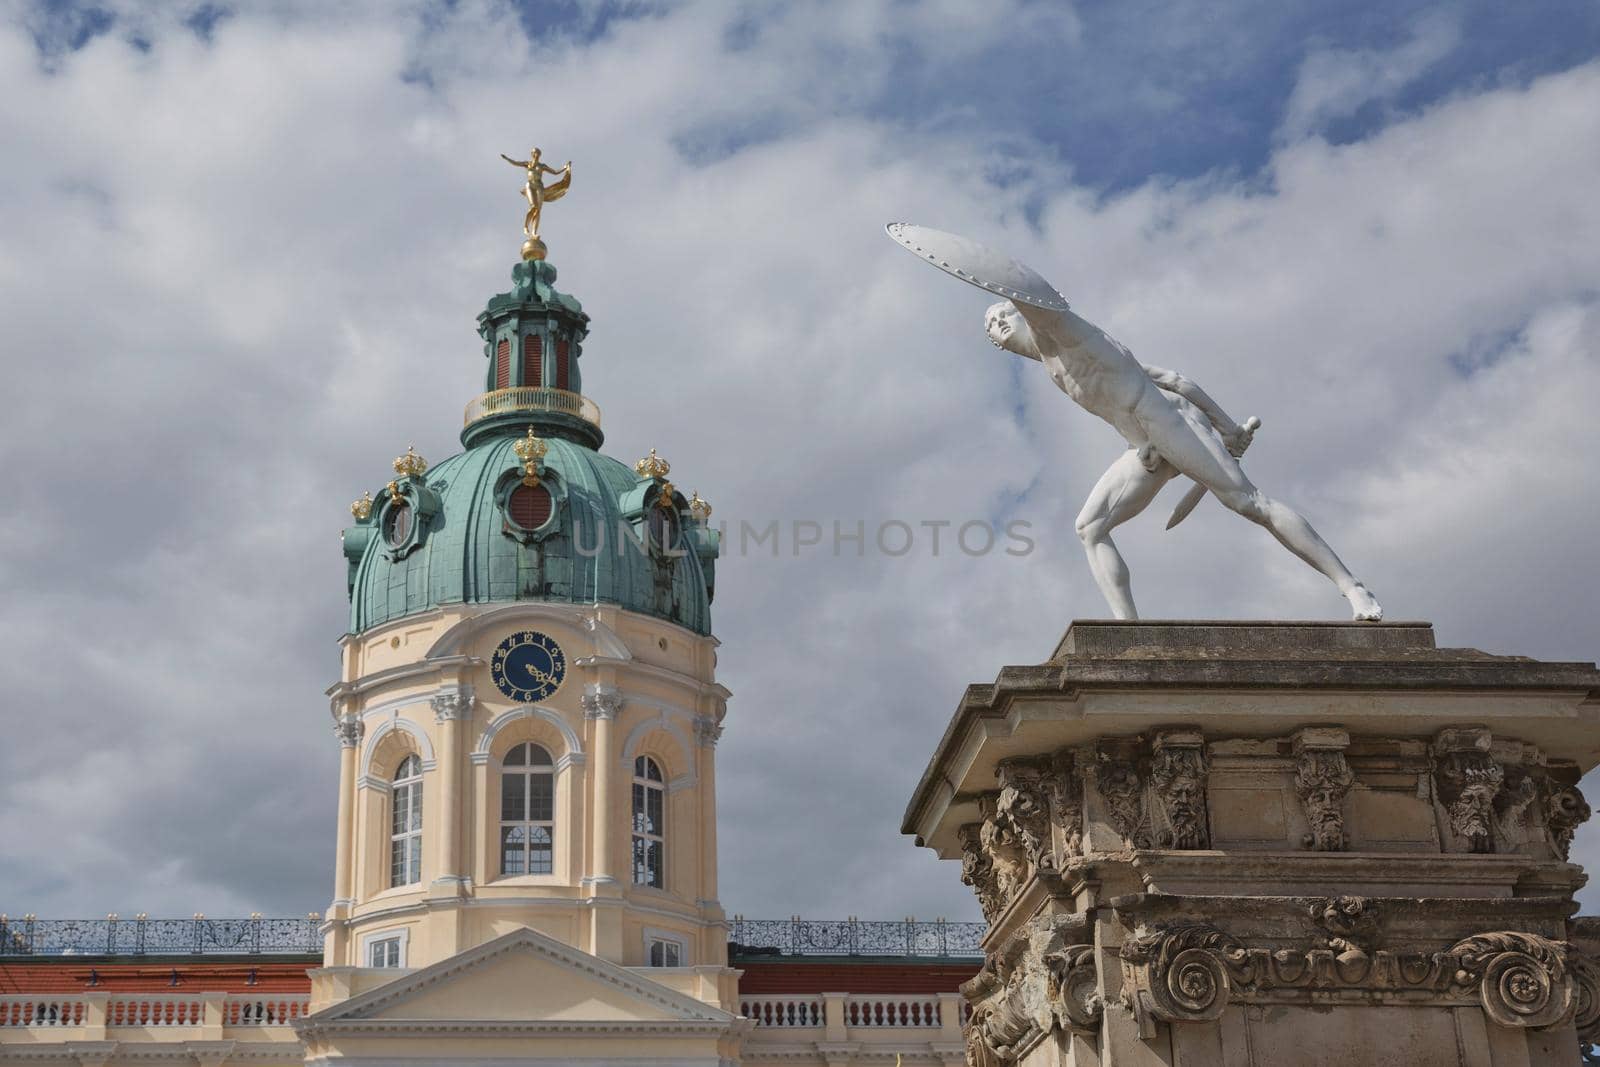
(521,398)
(151,1009)
(142,936)
(791,1011)
(41,1011)
(889,1011)
(155,1011)
(855,937)
(263,1011)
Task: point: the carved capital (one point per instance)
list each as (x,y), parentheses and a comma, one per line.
(1024,809)
(978,870)
(1468,779)
(707,731)
(601,701)
(1564,811)
(1178,771)
(453,703)
(1121,789)
(350,730)
(1323,778)
(1043,979)
(1063,789)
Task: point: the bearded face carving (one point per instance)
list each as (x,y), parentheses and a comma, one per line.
(1178,773)
(1323,778)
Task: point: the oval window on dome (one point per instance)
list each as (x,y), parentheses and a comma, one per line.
(397,526)
(529,506)
(663,528)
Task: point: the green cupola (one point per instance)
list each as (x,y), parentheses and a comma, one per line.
(530,510)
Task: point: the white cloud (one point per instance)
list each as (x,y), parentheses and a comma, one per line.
(1336,82)
(239,277)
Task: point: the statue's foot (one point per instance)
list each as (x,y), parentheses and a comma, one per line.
(1363,604)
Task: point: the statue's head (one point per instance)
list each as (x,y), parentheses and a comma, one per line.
(533,154)
(1009,330)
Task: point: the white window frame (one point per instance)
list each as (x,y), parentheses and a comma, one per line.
(659,836)
(527,772)
(400,936)
(668,939)
(408,789)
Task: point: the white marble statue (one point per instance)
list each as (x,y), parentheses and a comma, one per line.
(1171,425)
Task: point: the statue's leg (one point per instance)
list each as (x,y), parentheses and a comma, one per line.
(1124,490)
(1180,434)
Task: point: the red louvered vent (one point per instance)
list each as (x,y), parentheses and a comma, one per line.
(530,506)
(502,364)
(533,360)
(562,377)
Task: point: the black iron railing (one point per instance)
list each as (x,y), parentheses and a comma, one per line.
(257,936)
(143,936)
(854,937)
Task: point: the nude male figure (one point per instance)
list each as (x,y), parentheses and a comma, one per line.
(1172,427)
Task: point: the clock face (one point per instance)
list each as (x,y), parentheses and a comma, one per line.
(528,666)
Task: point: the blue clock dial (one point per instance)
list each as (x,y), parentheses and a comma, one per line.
(528,666)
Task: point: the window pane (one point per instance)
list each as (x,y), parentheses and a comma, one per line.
(414,867)
(517,757)
(397,862)
(375,954)
(513,796)
(513,858)
(401,801)
(391,955)
(538,757)
(647,862)
(541,800)
(652,807)
(669,953)
(416,806)
(639,819)
(541,854)
(658,953)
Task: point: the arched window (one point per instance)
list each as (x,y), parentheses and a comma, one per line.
(527,811)
(502,363)
(649,825)
(405,824)
(532,359)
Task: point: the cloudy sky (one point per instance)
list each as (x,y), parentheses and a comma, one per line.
(242,248)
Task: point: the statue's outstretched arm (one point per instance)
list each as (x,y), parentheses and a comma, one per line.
(514,162)
(1173,382)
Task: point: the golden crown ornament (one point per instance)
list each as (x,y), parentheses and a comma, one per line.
(362,509)
(530,451)
(652,466)
(700,509)
(410,465)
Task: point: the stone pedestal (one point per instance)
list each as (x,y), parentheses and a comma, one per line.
(1284,844)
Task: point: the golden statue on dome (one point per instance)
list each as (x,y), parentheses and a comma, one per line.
(538,194)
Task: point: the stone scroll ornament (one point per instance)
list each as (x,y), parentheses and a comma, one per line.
(1040,981)
(1190,972)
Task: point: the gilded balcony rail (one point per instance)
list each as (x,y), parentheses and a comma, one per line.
(533,398)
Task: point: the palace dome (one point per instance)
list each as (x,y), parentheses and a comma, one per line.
(531,510)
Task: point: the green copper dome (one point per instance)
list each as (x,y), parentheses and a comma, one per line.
(530,511)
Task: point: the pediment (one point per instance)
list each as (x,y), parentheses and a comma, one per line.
(522,977)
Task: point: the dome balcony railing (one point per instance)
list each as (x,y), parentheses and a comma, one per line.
(532,398)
